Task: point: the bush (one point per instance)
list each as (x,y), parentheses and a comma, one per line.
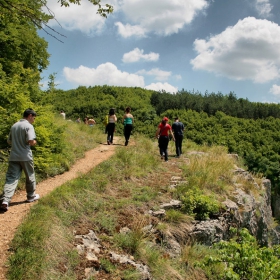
(242,258)
(194,202)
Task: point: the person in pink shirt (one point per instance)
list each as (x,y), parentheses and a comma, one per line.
(162,134)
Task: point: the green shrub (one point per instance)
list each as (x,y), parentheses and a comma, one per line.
(194,202)
(242,258)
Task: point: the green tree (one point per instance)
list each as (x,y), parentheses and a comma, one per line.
(51,83)
(23,55)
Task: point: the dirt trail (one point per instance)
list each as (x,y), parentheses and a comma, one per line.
(18,209)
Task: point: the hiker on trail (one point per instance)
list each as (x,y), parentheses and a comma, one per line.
(91,122)
(112,119)
(63,115)
(21,137)
(162,134)
(178,128)
(86,120)
(128,124)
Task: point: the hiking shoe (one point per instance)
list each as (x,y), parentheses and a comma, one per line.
(34,198)
(4,207)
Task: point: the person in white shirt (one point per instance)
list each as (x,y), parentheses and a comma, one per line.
(112,119)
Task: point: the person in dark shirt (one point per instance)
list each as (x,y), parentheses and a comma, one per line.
(178,128)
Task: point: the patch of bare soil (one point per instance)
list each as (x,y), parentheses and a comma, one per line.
(18,208)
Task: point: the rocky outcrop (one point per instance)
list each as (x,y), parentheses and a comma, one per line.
(250,209)
(90,247)
(244,208)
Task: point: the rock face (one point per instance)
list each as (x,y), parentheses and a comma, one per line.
(90,247)
(251,209)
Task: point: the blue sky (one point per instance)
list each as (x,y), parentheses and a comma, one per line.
(196,45)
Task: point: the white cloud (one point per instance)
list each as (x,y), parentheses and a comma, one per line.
(137,55)
(163,17)
(104,74)
(78,17)
(264,8)
(275,89)
(157,73)
(162,87)
(250,50)
(129,30)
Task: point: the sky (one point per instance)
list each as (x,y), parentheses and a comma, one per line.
(214,46)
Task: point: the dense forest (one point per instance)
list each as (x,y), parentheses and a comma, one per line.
(211,103)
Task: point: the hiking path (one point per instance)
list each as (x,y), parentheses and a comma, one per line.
(18,208)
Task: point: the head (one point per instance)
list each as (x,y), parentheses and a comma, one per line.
(176,119)
(112,111)
(164,120)
(30,115)
(127,109)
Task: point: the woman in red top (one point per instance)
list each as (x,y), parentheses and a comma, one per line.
(162,134)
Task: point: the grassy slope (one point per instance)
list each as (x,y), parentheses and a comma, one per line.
(116,194)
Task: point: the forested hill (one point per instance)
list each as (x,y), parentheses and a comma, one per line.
(211,103)
(246,128)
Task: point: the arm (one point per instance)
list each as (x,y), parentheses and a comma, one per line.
(157,133)
(9,140)
(172,134)
(32,142)
(124,117)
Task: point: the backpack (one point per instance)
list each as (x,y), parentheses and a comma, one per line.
(106,120)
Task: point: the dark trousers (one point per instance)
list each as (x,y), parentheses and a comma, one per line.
(127,132)
(110,132)
(178,143)
(163,145)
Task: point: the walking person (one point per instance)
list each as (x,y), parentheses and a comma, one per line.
(86,120)
(112,119)
(63,115)
(91,122)
(21,137)
(128,124)
(162,134)
(178,130)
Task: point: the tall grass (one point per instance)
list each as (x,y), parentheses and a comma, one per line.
(211,171)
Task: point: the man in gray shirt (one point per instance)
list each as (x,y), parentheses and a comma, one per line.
(21,137)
